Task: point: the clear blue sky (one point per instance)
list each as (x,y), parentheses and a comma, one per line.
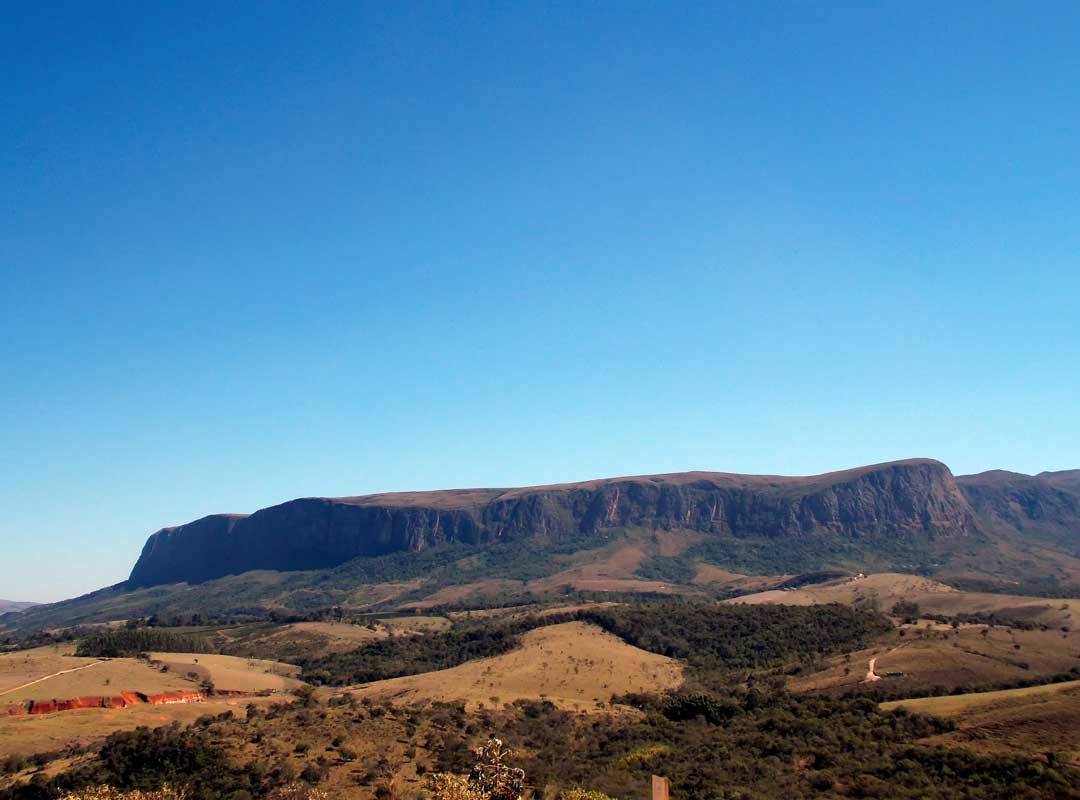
(255,251)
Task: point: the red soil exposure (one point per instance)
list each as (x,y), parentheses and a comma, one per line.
(123,700)
(168,698)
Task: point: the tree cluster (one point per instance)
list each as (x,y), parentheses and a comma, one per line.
(127,643)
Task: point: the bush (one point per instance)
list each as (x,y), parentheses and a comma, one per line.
(131,643)
(578,793)
(492,778)
(110,793)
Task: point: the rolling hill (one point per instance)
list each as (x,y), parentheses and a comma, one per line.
(8,606)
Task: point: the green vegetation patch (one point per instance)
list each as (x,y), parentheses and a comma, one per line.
(800,554)
(709,637)
(129,643)
(148,759)
(712,637)
(672,569)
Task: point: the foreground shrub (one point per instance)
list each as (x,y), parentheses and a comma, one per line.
(578,793)
(492,778)
(112,793)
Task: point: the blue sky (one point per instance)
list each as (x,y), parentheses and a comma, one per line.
(251,252)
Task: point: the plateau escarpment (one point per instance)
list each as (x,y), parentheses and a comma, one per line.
(1046,505)
(916,500)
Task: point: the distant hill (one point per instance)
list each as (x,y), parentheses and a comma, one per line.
(693,533)
(7,606)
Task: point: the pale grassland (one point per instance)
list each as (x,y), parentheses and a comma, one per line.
(1034,721)
(233,674)
(611,568)
(449,595)
(710,575)
(48,732)
(416,624)
(300,639)
(937,655)
(885,589)
(322,637)
(106,677)
(614,572)
(28,665)
(574,665)
(955,705)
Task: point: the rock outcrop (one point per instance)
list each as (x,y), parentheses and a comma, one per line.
(916,498)
(122,700)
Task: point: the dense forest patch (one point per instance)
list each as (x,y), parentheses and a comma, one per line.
(713,637)
(128,643)
(709,637)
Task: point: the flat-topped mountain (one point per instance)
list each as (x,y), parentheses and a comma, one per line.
(700,534)
(917,499)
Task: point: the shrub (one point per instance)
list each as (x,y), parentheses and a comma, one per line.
(109,793)
(492,778)
(578,793)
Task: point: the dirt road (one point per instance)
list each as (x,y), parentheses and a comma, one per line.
(48,677)
(871,675)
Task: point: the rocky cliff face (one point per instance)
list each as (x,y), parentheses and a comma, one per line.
(918,498)
(1043,507)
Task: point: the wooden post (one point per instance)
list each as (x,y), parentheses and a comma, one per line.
(661,788)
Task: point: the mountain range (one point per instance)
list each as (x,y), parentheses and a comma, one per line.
(995,529)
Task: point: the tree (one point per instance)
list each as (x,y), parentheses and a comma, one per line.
(907,610)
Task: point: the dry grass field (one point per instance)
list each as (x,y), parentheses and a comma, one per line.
(885,589)
(50,732)
(710,575)
(958,705)
(615,571)
(307,639)
(460,592)
(230,673)
(574,665)
(374,593)
(302,639)
(929,654)
(108,677)
(415,623)
(609,569)
(1026,722)
(24,666)
(93,677)
(612,573)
